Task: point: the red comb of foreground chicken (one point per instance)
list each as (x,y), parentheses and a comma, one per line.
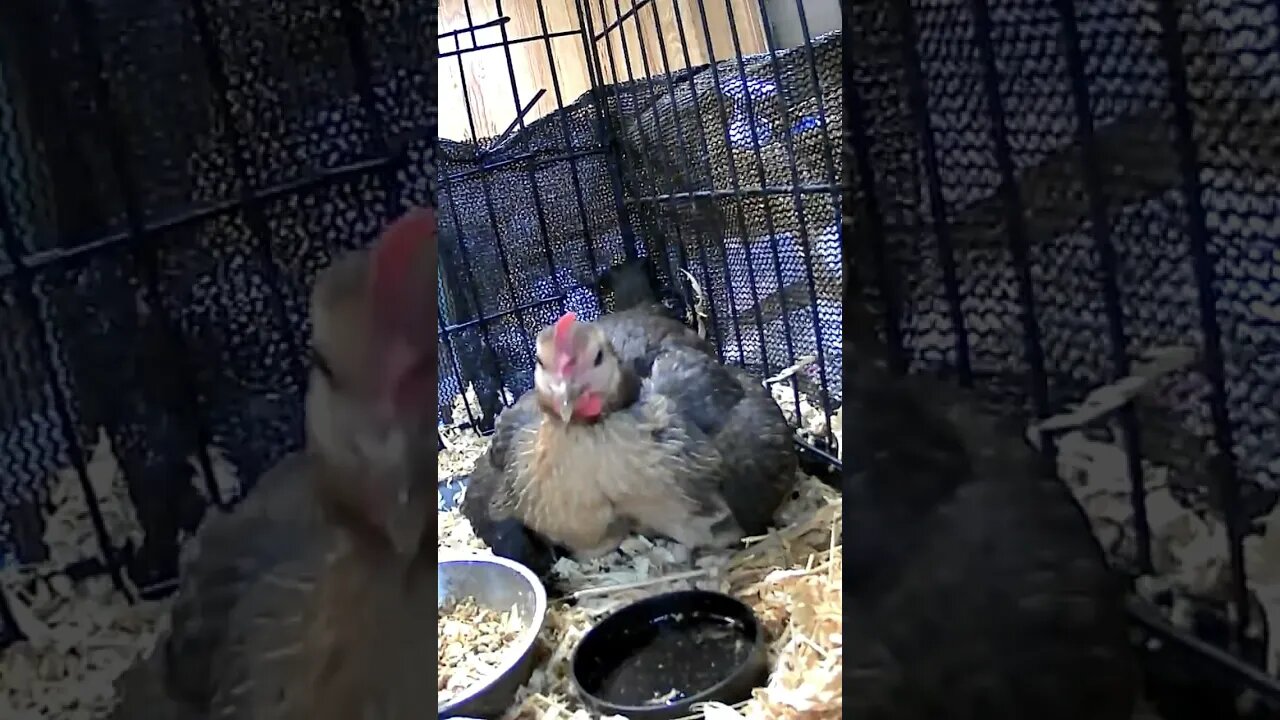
(563,327)
(404,300)
(633,423)
(377,381)
(366,637)
(260,607)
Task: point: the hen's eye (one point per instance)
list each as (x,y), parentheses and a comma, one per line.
(599,357)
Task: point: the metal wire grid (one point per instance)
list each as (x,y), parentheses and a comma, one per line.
(733,174)
(174,175)
(1050,187)
(506,274)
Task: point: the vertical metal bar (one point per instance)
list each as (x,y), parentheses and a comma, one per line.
(672,203)
(353,25)
(918,94)
(1014,218)
(623,155)
(734,183)
(482,323)
(1202,259)
(681,245)
(86,25)
(458,297)
(446,338)
(706,153)
(1108,266)
(466,96)
(860,142)
(30,305)
(544,232)
(587,240)
(618,26)
(806,248)
(784,313)
(828,157)
(487,194)
(9,629)
(605,131)
(446,191)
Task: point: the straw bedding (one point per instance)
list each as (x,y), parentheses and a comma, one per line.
(81,635)
(790,577)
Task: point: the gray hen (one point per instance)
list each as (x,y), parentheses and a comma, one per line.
(633,424)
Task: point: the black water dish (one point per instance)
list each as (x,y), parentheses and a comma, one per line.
(656,658)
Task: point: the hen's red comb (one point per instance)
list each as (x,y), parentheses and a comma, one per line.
(562,328)
(394,257)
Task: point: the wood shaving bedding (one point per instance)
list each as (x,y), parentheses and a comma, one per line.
(1189,547)
(81,636)
(790,577)
(84,635)
(474,642)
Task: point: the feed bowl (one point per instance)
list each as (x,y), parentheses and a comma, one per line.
(655,658)
(497,584)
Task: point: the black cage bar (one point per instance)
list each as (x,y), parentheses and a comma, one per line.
(721,177)
(174,173)
(1036,192)
(1047,191)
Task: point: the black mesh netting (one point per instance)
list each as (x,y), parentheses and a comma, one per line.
(529,227)
(733,169)
(526,229)
(1129,75)
(173,175)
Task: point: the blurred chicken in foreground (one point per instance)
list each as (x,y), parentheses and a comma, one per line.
(633,424)
(978,591)
(278,615)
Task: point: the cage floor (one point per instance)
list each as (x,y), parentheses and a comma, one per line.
(775,584)
(84,634)
(776,578)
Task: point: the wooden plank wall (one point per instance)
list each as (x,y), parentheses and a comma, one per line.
(666,30)
(481,78)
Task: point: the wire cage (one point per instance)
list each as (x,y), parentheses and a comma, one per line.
(702,153)
(1057,196)
(595,153)
(173,174)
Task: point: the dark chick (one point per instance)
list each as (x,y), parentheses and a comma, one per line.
(634,425)
(978,591)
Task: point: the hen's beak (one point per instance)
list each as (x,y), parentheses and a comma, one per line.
(393,492)
(563,395)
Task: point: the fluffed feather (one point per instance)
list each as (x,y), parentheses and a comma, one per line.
(696,451)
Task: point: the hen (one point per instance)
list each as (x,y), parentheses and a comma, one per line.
(253,615)
(978,590)
(632,424)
